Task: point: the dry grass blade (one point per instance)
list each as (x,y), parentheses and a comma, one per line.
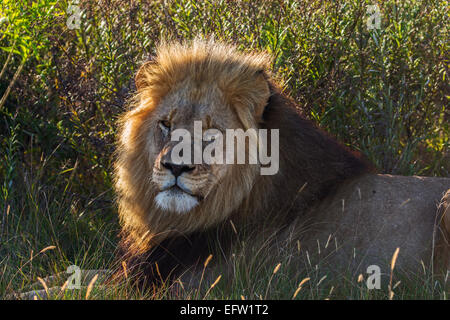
(393,262)
(11,83)
(90,286)
(181,284)
(394,259)
(43,284)
(302,187)
(277,268)
(328,241)
(205,264)
(47,248)
(321,279)
(331,291)
(208,260)
(124,267)
(64,286)
(300,285)
(212,286)
(391,295)
(234,227)
(159,273)
(360,278)
(396,285)
(296,292)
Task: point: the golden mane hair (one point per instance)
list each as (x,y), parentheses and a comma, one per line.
(204,62)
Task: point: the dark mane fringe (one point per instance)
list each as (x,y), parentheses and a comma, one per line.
(310,160)
(174,256)
(308,155)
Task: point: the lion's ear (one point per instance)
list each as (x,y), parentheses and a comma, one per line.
(256,90)
(263,88)
(140,79)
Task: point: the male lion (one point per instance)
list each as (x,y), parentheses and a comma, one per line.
(324,196)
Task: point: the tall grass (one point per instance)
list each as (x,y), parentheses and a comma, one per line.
(382,91)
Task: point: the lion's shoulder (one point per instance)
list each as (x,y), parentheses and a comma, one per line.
(388,198)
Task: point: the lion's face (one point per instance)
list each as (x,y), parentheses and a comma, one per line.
(183,186)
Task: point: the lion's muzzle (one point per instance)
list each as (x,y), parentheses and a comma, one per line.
(182,186)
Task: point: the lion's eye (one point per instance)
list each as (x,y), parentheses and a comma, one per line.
(165,126)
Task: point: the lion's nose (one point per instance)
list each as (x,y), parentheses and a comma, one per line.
(177,169)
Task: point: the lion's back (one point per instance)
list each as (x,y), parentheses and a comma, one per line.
(364,222)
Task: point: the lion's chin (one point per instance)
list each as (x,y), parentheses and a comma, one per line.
(175,200)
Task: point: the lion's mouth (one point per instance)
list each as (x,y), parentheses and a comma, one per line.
(176,189)
(175,199)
